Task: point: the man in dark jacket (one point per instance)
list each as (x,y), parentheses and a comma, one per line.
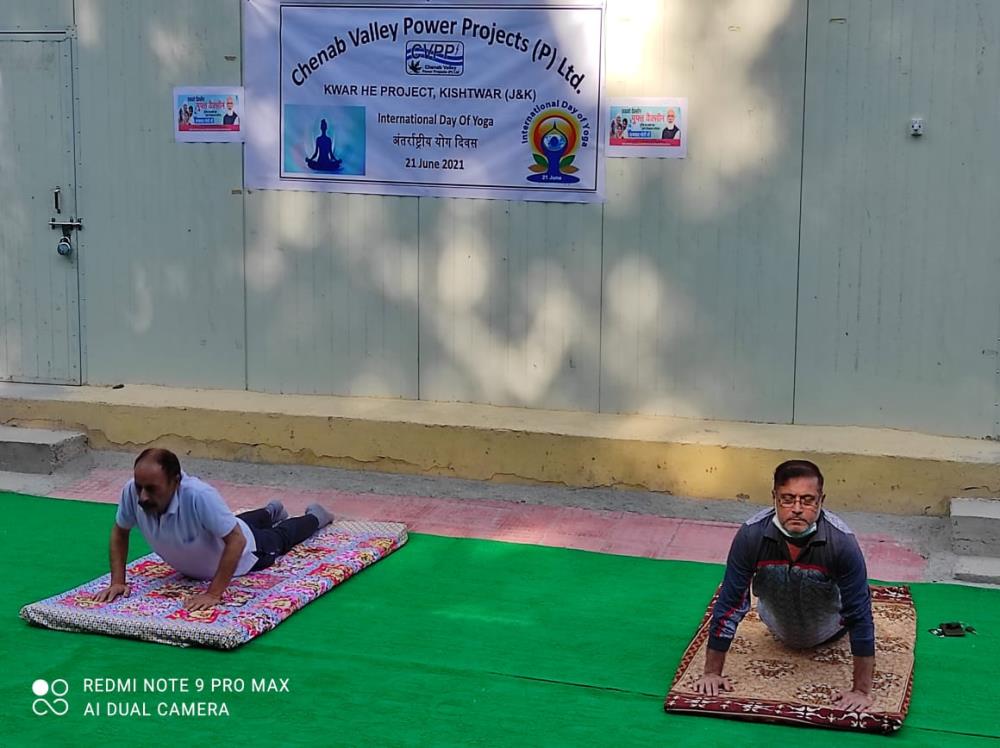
(807,571)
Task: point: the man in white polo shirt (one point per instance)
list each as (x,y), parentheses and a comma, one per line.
(186,522)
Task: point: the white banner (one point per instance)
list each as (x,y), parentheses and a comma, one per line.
(458,99)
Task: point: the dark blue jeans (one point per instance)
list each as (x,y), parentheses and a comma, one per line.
(276,540)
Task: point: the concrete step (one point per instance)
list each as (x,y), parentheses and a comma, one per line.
(980,569)
(975,527)
(38,451)
(32,484)
(897,472)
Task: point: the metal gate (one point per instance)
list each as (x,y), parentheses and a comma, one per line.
(39,227)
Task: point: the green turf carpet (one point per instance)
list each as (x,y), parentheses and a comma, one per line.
(447,642)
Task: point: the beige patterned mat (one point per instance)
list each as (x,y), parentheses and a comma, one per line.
(773,683)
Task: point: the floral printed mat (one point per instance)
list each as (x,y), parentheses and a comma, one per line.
(775,684)
(251,605)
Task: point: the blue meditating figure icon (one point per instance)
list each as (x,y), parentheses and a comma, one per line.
(322,158)
(554,146)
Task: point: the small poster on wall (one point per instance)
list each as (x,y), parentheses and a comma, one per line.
(648,128)
(208,114)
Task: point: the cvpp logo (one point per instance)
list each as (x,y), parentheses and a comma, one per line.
(58,705)
(435,58)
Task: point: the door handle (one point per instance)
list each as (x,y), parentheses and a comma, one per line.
(66,226)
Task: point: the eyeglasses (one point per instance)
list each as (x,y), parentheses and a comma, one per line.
(808,501)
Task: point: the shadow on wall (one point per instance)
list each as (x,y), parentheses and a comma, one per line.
(665,300)
(675,297)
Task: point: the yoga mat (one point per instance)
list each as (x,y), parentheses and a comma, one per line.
(452,642)
(251,605)
(774,683)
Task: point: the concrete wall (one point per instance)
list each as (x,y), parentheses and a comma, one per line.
(900,267)
(161,258)
(39,15)
(700,254)
(808,262)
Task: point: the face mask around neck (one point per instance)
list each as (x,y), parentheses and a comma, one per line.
(794,535)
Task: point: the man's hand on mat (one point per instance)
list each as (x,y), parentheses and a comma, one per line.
(711,684)
(112,592)
(202,601)
(852,701)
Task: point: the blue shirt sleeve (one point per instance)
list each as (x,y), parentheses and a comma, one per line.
(733,602)
(212,512)
(127,504)
(855,596)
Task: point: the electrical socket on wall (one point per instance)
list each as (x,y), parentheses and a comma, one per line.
(916,126)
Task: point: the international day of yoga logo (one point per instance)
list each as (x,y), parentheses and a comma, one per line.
(555,134)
